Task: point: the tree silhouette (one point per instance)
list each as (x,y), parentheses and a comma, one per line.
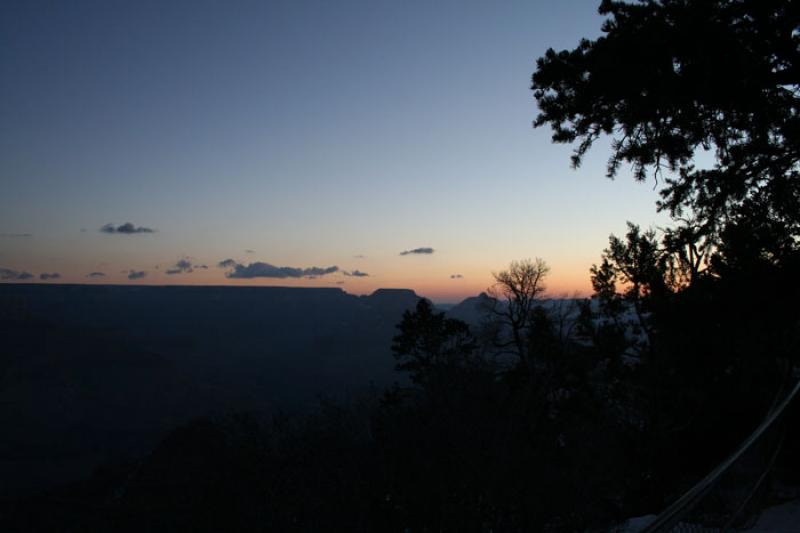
(671,79)
(430,343)
(704,97)
(640,265)
(673,82)
(515,293)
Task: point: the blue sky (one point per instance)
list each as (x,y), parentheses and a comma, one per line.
(311,133)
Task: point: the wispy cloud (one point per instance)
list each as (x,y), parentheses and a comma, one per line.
(126,229)
(418,251)
(46,276)
(96,275)
(16,235)
(226,263)
(6,274)
(360,256)
(136,274)
(356,274)
(266,270)
(249,251)
(456,276)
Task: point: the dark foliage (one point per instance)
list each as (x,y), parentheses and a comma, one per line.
(472,445)
(430,345)
(670,79)
(706,314)
(706,358)
(591,426)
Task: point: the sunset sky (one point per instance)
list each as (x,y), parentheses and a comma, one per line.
(296,134)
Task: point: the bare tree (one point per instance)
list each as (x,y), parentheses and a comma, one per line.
(515,293)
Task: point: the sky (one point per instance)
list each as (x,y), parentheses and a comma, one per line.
(292,137)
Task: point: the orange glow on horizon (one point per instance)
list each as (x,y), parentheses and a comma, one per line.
(443,289)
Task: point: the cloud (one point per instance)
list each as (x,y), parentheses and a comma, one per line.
(226,263)
(249,251)
(6,274)
(45,276)
(16,235)
(136,274)
(360,256)
(183,266)
(265,270)
(96,275)
(126,229)
(456,276)
(356,274)
(423,251)
(204,267)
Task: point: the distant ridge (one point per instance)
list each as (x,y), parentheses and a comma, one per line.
(151,356)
